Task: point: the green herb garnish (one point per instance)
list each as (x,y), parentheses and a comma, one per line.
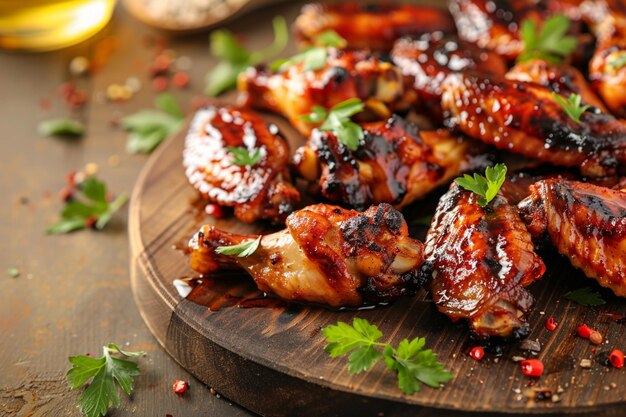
(314,57)
(148,128)
(330,38)
(337,121)
(13,272)
(241,250)
(243,157)
(235,58)
(572,105)
(61,127)
(102,394)
(550,43)
(412,363)
(617,61)
(585,296)
(486,187)
(94,209)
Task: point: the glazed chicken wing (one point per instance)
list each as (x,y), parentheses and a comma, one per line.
(370,26)
(586,223)
(261,190)
(524,118)
(481,259)
(396,163)
(427,61)
(293,91)
(326,255)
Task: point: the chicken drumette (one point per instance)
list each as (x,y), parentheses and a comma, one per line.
(478,261)
(259,186)
(326,255)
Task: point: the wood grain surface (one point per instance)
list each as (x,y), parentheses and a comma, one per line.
(271,359)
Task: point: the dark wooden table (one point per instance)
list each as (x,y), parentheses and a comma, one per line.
(72,294)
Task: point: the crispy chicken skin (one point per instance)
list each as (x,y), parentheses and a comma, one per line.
(370,26)
(524,118)
(560,78)
(480,260)
(263,191)
(396,163)
(586,223)
(427,61)
(293,91)
(326,255)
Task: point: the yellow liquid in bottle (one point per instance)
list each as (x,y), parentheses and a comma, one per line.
(42,25)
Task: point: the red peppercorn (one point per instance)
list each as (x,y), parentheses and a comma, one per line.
(159,84)
(66,195)
(214,210)
(595,337)
(532,367)
(584,331)
(551,324)
(66,90)
(180,79)
(477,353)
(70,179)
(617,359)
(90,221)
(180,387)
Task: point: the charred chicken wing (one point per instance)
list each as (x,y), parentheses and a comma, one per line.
(480,260)
(326,255)
(586,223)
(524,118)
(396,163)
(370,26)
(294,90)
(257,188)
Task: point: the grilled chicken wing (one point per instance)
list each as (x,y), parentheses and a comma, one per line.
(586,223)
(326,255)
(524,118)
(427,61)
(260,191)
(370,26)
(481,259)
(347,74)
(396,163)
(560,78)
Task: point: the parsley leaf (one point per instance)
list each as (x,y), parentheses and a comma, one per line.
(235,58)
(486,187)
(314,57)
(241,250)
(243,157)
(148,128)
(412,363)
(61,127)
(617,61)
(572,105)
(94,208)
(549,43)
(585,296)
(101,394)
(337,121)
(330,38)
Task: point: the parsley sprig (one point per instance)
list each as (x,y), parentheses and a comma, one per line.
(585,296)
(412,363)
(241,250)
(487,186)
(242,156)
(235,57)
(314,57)
(93,209)
(148,128)
(572,106)
(550,43)
(337,121)
(101,394)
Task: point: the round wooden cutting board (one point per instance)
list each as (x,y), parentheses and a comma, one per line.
(270,359)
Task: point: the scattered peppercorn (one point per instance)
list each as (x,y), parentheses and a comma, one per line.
(477,353)
(532,367)
(595,337)
(617,359)
(180,387)
(584,331)
(180,79)
(585,363)
(551,324)
(91,221)
(160,84)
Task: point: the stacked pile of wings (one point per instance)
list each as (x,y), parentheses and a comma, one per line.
(457,68)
